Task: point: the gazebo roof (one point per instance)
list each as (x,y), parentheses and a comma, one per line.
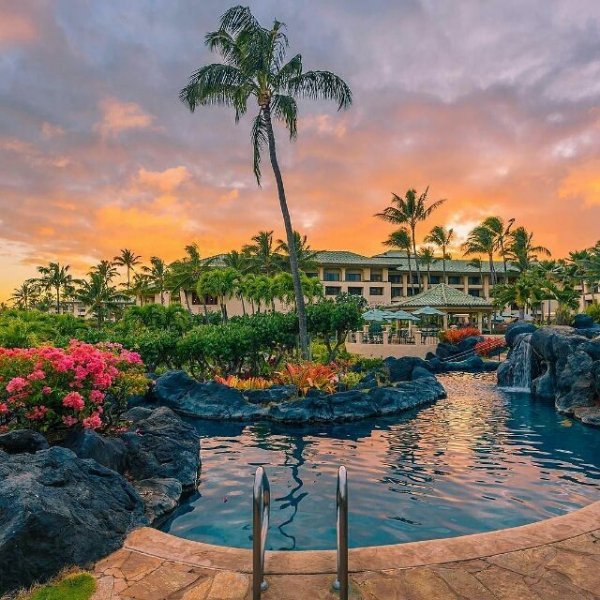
(445,296)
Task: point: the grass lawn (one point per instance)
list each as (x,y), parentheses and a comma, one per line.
(78,586)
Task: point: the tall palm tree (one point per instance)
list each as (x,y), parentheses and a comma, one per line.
(221,283)
(401,239)
(99,296)
(521,250)
(442,238)
(106,270)
(56,277)
(128,259)
(481,241)
(185,273)
(306,255)
(427,256)
(140,286)
(157,276)
(410,210)
(238,261)
(579,259)
(501,232)
(261,254)
(254,66)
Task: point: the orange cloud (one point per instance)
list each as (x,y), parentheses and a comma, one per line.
(121,116)
(162,181)
(16,29)
(583,181)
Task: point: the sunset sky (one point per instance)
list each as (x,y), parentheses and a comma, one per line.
(495,105)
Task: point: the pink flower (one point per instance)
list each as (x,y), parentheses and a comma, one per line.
(69,421)
(93,421)
(3,408)
(16,385)
(96,396)
(46,390)
(74,400)
(37,375)
(37,413)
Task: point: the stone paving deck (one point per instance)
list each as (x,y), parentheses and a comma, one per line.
(556,559)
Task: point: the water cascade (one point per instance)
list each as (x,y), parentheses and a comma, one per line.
(521,359)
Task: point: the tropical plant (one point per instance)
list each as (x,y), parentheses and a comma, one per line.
(455,336)
(442,238)
(481,241)
(106,270)
(410,210)
(401,239)
(308,375)
(129,259)
(527,291)
(102,299)
(254,66)
(220,283)
(306,256)
(250,383)
(26,295)
(261,255)
(185,273)
(427,257)
(157,276)
(501,232)
(521,251)
(56,277)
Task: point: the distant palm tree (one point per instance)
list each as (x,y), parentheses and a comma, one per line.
(238,261)
(501,233)
(481,241)
(56,277)
(442,238)
(427,256)
(157,277)
(521,251)
(128,259)
(306,256)
(26,295)
(106,270)
(410,210)
(220,283)
(401,239)
(185,273)
(254,66)
(579,260)
(261,254)
(99,296)
(140,287)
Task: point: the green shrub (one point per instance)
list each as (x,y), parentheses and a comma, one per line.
(594,311)
(78,586)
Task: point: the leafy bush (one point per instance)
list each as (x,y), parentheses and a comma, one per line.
(53,389)
(351,379)
(308,375)
(251,383)
(455,336)
(594,311)
(362,363)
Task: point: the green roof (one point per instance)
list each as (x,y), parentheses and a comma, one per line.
(445,296)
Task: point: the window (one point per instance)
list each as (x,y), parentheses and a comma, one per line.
(376,291)
(332,290)
(355,291)
(474,280)
(454,280)
(414,279)
(207,300)
(396,292)
(353,275)
(396,278)
(332,275)
(376,275)
(434,279)
(474,292)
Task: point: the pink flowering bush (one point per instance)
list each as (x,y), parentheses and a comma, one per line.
(54,389)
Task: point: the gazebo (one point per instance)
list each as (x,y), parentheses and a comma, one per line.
(450,301)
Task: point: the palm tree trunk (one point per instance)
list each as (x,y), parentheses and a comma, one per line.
(443,264)
(292,251)
(409,274)
(492,270)
(243,304)
(57,300)
(414,243)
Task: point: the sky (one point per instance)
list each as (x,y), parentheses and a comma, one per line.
(494,105)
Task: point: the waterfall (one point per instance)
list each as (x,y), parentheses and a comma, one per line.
(520,359)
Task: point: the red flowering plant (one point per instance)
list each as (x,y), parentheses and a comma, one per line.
(56,389)
(455,336)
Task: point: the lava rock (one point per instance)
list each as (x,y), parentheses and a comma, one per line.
(109,452)
(469,343)
(516,329)
(160,496)
(590,415)
(400,369)
(445,350)
(582,321)
(473,364)
(22,440)
(57,510)
(276,393)
(161,445)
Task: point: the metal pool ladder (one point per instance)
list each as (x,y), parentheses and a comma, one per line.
(341,583)
(261,510)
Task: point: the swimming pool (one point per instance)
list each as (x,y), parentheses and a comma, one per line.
(480,460)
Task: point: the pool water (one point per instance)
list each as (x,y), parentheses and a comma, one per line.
(482,459)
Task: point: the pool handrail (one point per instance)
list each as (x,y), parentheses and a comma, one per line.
(261,510)
(341,583)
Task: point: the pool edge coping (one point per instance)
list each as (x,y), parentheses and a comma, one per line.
(168,547)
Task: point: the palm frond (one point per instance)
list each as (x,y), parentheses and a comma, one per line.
(321,84)
(285,109)
(237,19)
(260,141)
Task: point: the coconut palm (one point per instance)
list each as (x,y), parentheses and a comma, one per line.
(56,277)
(442,238)
(254,66)
(521,251)
(410,210)
(128,259)
(261,254)
(306,256)
(401,239)
(238,261)
(140,287)
(527,291)
(26,295)
(106,270)
(427,257)
(220,283)
(157,275)
(99,296)
(481,241)
(185,273)
(501,232)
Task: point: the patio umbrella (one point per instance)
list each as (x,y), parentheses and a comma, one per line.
(429,311)
(374,315)
(400,315)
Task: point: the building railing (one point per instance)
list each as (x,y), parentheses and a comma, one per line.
(341,582)
(261,509)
